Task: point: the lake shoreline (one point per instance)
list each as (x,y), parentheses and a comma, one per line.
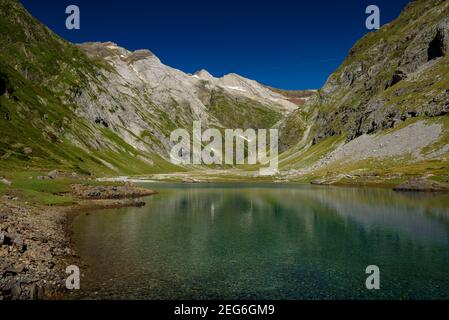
(36,241)
(410,183)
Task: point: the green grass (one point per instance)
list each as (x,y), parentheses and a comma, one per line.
(45,198)
(379,54)
(309,156)
(242,113)
(43,72)
(29,189)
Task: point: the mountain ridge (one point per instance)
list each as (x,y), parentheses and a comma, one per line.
(101,109)
(392,78)
(98,108)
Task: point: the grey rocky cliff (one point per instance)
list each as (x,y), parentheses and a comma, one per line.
(396,73)
(140,96)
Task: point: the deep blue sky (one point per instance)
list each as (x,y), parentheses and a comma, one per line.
(284,43)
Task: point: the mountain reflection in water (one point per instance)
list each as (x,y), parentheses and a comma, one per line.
(267,242)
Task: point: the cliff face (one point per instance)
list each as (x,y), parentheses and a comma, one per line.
(391,79)
(398,72)
(100,108)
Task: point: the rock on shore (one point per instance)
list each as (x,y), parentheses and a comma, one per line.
(35,242)
(34,251)
(110,192)
(422,185)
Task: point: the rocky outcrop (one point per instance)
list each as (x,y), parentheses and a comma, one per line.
(439,46)
(109,192)
(422,185)
(389,76)
(145,96)
(105,107)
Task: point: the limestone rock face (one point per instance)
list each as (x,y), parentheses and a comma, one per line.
(140,94)
(100,107)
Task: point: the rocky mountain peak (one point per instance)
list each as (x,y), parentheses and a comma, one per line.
(126,102)
(140,55)
(102,49)
(112,50)
(203,75)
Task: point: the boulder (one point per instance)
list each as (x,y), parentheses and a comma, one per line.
(397,77)
(53,174)
(6,182)
(94,194)
(190,180)
(19,268)
(12,289)
(5,239)
(7,287)
(16,290)
(11,271)
(19,243)
(37,292)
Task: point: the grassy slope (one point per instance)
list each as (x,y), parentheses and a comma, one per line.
(334,115)
(389,43)
(242,113)
(372,171)
(42,73)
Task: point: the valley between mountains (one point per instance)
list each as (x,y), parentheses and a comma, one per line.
(80,122)
(99,110)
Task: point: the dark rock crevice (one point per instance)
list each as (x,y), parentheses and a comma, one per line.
(4,84)
(2,87)
(436,49)
(398,76)
(102,121)
(439,46)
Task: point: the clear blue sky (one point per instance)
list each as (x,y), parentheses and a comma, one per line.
(290,44)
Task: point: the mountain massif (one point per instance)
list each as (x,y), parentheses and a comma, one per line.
(100,109)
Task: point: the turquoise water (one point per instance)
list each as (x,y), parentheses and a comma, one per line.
(267,242)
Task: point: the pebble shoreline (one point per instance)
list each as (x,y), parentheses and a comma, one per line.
(35,247)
